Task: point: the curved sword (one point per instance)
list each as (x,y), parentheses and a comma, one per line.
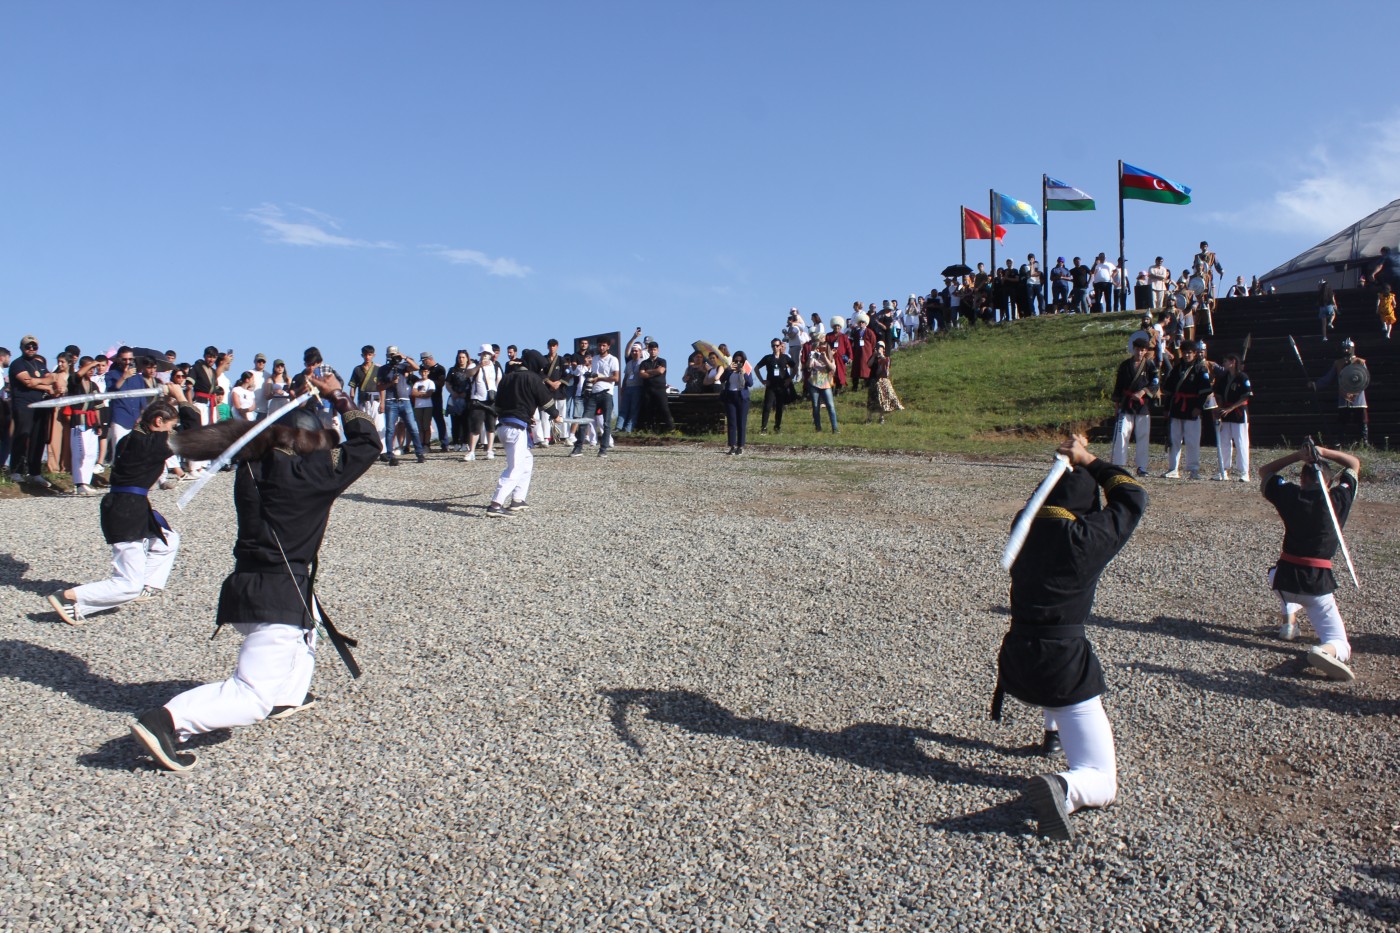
(1023,524)
(225,458)
(1332,514)
(63,400)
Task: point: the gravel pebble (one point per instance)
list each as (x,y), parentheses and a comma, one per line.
(688,691)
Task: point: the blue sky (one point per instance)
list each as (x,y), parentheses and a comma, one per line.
(437,174)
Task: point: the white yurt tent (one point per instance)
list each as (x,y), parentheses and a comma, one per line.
(1341,258)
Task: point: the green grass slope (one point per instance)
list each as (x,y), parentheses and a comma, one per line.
(987,389)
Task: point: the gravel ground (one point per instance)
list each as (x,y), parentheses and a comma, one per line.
(693,692)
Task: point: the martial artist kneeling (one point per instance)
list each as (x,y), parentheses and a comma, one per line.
(287,480)
(143,544)
(1045,659)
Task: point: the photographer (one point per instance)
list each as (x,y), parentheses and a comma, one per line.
(397,404)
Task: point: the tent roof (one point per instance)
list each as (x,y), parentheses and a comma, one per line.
(1361,240)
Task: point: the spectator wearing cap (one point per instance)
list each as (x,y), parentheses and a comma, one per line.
(629,407)
(1060,280)
(259,374)
(486,378)
(30,382)
(422,390)
(277,387)
(435,371)
(396,401)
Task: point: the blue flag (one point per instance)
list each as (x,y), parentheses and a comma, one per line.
(1012,211)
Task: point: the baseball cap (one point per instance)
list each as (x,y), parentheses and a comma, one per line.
(260,358)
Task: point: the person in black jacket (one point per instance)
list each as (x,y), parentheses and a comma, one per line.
(522,392)
(143,543)
(284,487)
(1136,381)
(1046,659)
(1186,388)
(776,372)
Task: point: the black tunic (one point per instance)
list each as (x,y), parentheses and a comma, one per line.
(140,461)
(286,499)
(1308,532)
(1045,659)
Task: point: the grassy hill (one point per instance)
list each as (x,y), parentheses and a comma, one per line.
(989,389)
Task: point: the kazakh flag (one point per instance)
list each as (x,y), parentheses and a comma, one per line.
(1012,211)
(1062,197)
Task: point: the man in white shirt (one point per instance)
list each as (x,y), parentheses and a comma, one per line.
(1103,284)
(1158,276)
(606,372)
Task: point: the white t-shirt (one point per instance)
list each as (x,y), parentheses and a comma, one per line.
(423,385)
(604,365)
(258,378)
(244,403)
(485,381)
(1103,272)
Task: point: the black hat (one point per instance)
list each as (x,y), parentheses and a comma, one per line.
(1076,492)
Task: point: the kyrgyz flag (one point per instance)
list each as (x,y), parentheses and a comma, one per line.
(979,226)
(1140,185)
(1015,212)
(1061,197)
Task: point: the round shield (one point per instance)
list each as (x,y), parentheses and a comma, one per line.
(1353,378)
(1196,284)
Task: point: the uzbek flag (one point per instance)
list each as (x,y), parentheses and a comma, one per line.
(1141,185)
(979,226)
(1015,212)
(1062,197)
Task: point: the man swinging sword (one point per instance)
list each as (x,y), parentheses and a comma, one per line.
(286,482)
(1046,659)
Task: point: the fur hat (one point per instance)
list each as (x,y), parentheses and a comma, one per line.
(1077,492)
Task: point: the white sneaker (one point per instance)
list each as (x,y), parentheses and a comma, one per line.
(148,593)
(1220,477)
(471,455)
(1288,631)
(490,455)
(1172,474)
(82,489)
(99,468)
(1319,658)
(1245,478)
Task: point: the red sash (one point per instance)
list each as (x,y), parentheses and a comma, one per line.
(1306,561)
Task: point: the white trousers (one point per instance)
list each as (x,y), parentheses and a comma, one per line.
(115,433)
(520,464)
(1088,740)
(275,665)
(1131,427)
(1322,613)
(1234,446)
(82,440)
(134,564)
(371,408)
(1189,432)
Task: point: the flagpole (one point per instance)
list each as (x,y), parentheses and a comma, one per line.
(962,231)
(1044,240)
(1121,258)
(992,213)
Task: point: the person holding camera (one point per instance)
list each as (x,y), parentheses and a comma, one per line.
(734,393)
(395,399)
(603,373)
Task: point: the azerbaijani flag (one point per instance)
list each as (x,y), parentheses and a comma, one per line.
(1015,212)
(979,226)
(1061,197)
(1140,185)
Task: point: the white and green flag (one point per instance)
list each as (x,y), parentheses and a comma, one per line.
(1061,197)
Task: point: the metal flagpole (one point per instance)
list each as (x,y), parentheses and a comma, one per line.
(992,213)
(962,231)
(1121,259)
(1044,240)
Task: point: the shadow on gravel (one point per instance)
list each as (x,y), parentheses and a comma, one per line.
(1236,636)
(1278,686)
(69,674)
(867,745)
(12,571)
(123,754)
(1373,643)
(1379,906)
(448,504)
(1009,817)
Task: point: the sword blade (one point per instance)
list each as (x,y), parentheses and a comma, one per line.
(1023,524)
(1336,526)
(225,458)
(63,400)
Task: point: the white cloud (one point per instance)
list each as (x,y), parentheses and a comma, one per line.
(279,228)
(1333,189)
(502,266)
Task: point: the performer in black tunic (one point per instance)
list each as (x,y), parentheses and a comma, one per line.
(286,482)
(521,393)
(1303,575)
(143,544)
(1046,659)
